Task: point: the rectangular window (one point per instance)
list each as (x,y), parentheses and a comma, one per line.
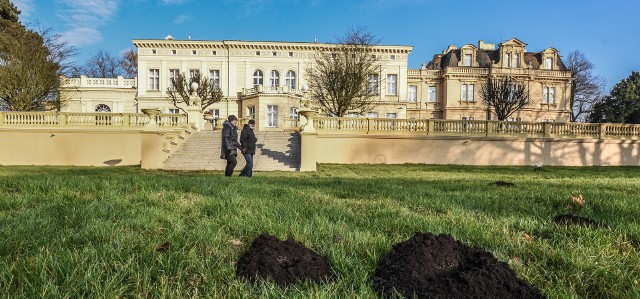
(392,85)
(463,93)
(154,79)
(214,53)
(272,116)
(373,84)
(290,54)
(257,53)
(467,59)
(372,114)
(174,52)
(545,95)
(392,57)
(507,59)
(516,60)
(193,73)
(194,52)
(214,78)
(391,115)
(215,113)
(549,63)
(467,93)
(352,114)
(174,110)
(552,95)
(413,93)
(293,114)
(432,94)
(251,112)
(173,74)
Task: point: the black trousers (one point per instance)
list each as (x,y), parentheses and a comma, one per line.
(232,161)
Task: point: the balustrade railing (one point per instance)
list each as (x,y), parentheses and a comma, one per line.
(438,127)
(97,119)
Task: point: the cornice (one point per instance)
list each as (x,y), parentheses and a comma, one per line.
(256,45)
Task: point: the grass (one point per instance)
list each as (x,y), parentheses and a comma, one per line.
(69,232)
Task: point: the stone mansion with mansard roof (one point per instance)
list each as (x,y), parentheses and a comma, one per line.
(266,80)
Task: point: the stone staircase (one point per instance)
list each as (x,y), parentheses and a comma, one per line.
(276,151)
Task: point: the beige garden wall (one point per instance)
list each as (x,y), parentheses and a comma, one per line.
(78,147)
(399,149)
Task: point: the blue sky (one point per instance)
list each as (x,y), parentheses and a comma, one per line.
(607,32)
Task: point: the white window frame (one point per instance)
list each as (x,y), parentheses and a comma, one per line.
(290,80)
(392,84)
(392,115)
(374,84)
(516,60)
(272,116)
(174,110)
(214,78)
(193,72)
(352,114)
(433,94)
(467,59)
(467,93)
(548,95)
(154,79)
(372,114)
(173,73)
(274,79)
(258,78)
(251,112)
(412,94)
(549,63)
(293,113)
(507,60)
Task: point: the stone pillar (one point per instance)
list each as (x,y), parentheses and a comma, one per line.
(152,153)
(309,151)
(195,117)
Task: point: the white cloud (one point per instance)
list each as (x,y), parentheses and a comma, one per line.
(25,6)
(82,36)
(182,19)
(84,18)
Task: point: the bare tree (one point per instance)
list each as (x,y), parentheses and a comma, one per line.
(129,63)
(102,65)
(339,76)
(505,96)
(586,88)
(180,91)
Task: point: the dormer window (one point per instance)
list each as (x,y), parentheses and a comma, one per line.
(507,60)
(467,59)
(516,60)
(549,63)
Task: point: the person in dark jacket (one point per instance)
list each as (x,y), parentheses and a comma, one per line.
(229,148)
(248,142)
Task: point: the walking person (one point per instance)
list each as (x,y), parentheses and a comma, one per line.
(229,149)
(248,142)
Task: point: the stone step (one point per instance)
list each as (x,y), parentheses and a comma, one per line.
(276,151)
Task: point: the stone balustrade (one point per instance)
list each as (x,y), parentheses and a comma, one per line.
(119,82)
(88,120)
(438,127)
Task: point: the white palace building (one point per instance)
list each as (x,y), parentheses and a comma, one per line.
(266,80)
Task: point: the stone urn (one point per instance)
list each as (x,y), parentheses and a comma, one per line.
(309,115)
(152,113)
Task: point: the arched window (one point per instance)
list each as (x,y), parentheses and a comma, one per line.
(102,108)
(274,79)
(258,78)
(290,80)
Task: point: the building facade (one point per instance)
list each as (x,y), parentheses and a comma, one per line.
(266,80)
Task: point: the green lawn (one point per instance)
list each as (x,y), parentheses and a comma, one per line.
(93,232)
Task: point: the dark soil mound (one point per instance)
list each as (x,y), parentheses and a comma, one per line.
(286,262)
(429,266)
(568,219)
(503,184)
